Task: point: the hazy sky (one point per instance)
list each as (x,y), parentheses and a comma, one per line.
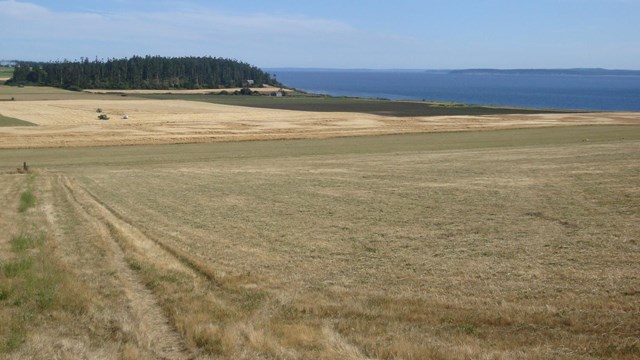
(410,34)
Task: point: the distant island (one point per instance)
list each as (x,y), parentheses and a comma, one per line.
(582,72)
(149,72)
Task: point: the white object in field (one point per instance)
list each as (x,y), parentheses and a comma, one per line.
(125,117)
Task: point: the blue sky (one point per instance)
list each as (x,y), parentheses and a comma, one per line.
(376,34)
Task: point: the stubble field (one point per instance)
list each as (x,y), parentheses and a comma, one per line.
(497,244)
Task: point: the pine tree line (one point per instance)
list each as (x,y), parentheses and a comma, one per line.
(149,72)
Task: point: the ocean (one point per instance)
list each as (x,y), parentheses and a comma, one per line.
(549,91)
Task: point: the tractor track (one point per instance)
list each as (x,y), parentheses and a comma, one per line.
(177,254)
(153,330)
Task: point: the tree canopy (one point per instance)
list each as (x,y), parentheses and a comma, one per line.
(149,72)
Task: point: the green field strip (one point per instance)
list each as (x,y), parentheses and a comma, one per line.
(9,121)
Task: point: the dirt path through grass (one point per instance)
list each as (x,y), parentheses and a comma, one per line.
(154,262)
(66,288)
(147,323)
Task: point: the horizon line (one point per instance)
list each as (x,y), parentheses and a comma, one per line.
(442,69)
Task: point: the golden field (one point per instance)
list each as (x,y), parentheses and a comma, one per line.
(70,119)
(506,243)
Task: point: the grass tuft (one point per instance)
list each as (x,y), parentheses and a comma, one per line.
(468,329)
(15,337)
(25,241)
(4,294)
(13,269)
(27,201)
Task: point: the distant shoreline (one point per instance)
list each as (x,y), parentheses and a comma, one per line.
(580,72)
(478,71)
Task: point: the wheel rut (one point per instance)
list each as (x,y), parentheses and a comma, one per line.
(153,330)
(172,254)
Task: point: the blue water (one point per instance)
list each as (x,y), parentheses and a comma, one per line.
(578,92)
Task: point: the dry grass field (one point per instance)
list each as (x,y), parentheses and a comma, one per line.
(67,119)
(503,244)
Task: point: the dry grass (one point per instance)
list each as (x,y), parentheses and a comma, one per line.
(53,306)
(414,247)
(64,123)
(39,298)
(69,119)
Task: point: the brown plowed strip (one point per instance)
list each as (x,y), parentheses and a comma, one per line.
(153,332)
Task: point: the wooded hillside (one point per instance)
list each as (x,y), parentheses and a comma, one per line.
(149,72)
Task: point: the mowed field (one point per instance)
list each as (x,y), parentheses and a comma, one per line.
(66,119)
(510,244)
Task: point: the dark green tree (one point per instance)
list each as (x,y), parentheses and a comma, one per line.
(149,72)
